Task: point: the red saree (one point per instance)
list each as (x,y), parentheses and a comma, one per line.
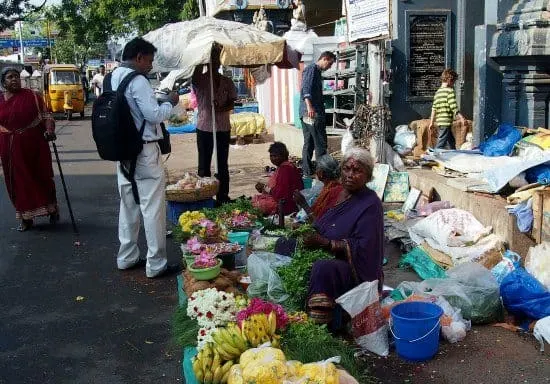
(282,184)
(327,198)
(25,155)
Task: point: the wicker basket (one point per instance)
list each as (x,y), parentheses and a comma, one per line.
(192,194)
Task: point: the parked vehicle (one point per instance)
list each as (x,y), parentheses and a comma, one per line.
(63,91)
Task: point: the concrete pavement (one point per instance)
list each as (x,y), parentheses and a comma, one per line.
(68,315)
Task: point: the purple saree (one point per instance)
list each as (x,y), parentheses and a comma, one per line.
(359,222)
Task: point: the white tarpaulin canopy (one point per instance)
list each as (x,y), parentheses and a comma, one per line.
(184,45)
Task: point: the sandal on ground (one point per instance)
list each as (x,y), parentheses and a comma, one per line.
(25,225)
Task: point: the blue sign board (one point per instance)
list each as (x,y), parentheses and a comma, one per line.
(34,43)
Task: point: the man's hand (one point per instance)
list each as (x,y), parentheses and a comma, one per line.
(174,98)
(3,129)
(311,113)
(299,199)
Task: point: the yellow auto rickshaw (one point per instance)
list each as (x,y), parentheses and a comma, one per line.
(63,90)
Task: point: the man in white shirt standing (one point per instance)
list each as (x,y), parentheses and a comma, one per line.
(138,56)
(97,81)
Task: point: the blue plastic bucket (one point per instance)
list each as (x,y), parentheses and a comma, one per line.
(308,182)
(240,238)
(415,327)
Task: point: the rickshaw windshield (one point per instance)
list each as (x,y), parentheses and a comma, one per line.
(64,77)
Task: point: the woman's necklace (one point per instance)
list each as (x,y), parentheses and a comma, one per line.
(344,195)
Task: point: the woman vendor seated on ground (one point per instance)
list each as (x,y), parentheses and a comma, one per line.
(328,172)
(353,231)
(281,185)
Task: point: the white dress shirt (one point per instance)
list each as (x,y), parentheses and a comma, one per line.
(143,104)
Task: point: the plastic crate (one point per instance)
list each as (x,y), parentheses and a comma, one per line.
(175,209)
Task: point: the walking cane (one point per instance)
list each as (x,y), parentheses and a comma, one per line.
(75,229)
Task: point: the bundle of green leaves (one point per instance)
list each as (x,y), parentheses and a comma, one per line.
(308,343)
(295,276)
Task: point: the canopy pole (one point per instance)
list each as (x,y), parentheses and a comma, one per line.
(215,151)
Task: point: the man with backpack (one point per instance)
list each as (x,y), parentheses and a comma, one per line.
(141,182)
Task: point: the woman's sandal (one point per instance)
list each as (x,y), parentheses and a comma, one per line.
(25,225)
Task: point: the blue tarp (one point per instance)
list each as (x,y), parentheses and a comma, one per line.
(187,128)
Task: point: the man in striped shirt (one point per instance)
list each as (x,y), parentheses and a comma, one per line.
(445,109)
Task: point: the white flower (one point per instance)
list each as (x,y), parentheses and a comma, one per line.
(212,308)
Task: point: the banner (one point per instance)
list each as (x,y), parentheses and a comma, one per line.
(368,19)
(213,7)
(30,43)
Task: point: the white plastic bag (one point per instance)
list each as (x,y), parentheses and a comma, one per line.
(347,141)
(542,331)
(537,263)
(266,282)
(404,137)
(369,327)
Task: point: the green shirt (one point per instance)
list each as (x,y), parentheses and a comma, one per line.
(445,106)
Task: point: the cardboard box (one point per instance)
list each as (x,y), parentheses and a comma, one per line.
(541,216)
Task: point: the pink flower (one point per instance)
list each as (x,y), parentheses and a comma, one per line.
(260,306)
(194,245)
(205,260)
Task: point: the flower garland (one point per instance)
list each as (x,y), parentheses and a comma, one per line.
(212,308)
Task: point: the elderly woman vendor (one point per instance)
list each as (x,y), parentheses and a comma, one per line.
(353,231)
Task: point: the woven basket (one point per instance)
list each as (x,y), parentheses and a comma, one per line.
(192,194)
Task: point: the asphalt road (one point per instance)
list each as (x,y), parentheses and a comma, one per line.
(67,314)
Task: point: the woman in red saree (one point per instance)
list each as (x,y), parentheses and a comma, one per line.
(281,185)
(328,172)
(25,130)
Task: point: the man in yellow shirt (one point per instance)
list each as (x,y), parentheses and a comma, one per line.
(445,109)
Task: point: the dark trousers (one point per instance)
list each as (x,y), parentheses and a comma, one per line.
(445,136)
(205,146)
(315,138)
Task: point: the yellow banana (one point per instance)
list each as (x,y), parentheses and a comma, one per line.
(217,377)
(200,376)
(272,320)
(223,354)
(231,350)
(237,338)
(197,368)
(227,338)
(208,377)
(225,377)
(227,366)
(216,336)
(216,361)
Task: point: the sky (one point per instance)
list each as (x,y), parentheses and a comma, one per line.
(48,2)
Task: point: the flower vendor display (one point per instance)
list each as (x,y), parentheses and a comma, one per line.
(240,220)
(195,223)
(212,308)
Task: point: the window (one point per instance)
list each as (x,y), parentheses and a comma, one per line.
(64,77)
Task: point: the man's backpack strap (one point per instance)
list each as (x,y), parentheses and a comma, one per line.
(107,86)
(130,173)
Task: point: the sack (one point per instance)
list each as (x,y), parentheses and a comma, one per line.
(510,261)
(537,263)
(347,141)
(369,327)
(522,294)
(164,143)
(113,127)
(542,331)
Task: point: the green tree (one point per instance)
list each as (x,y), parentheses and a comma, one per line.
(190,10)
(12,11)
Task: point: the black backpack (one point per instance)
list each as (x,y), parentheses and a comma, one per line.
(114,130)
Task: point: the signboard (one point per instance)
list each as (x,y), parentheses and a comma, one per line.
(213,7)
(428,53)
(30,43)
(368,19)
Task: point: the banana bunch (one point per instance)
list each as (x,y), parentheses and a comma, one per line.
(260,328)
(229,342)
(208,367)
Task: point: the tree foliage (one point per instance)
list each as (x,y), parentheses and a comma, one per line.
(12,11)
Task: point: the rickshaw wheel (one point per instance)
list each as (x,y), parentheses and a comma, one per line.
(69,115)
(82,114)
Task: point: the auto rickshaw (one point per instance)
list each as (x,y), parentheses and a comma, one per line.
(63,90)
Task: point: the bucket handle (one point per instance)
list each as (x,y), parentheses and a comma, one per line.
(415,340)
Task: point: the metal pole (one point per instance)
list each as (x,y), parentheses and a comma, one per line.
(22,48)
(201,9)
(49,39)
(215,152)
(75,229)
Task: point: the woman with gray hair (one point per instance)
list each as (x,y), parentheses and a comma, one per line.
(25,129)
(328,172)
(353,231)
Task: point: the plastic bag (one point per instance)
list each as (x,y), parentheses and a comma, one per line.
(404,137)
(422,264)
(264,365)
(510,261)
(502,142)
(322,372)
(469,287)
(542,331)
(539,174)
(266,283)
(428,209)
(347,141)
(523,294)
(537,263)
(453,325)
(369,327)
(524,215)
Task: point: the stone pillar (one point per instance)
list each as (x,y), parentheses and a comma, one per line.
(521,46)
